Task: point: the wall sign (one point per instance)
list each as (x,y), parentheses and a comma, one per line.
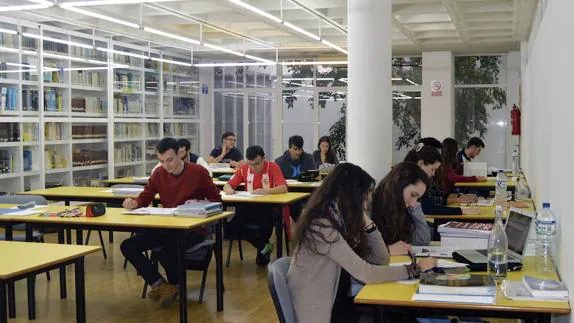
(204,89)
(436,88)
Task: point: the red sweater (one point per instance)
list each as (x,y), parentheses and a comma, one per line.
(452,178)
(193,183)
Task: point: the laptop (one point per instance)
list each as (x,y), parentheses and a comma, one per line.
(517,228)
(309,175)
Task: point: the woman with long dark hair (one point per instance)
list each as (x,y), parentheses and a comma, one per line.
(446,175)
(434,201)
(396,209)
(333,240)
(324,153)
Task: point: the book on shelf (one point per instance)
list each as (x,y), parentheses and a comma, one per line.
(53,100)
(27,160)
(7,99)
(7,162)
(30,99)
(10,132)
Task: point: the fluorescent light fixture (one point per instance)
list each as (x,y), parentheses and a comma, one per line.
(75,59)
(56,40)
(8,31)
(396,79)
(119,52)
(223,49)
(301,30)
(163,60)
(44,2)
(229,64)
(99,16)
(328,43)
(256,10)
(413,83)
(170,35)
(8,49)
(20,65)
(315,63)
(44,5)
(107,2)
(263,60)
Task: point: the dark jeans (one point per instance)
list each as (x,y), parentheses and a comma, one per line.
(295,210)
(134,247)
(253,224)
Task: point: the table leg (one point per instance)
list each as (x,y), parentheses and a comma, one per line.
(182,277)
(69,236)
(8,231)
(79,237)
(29,232)
(279,231)
(111,236)
(3,314)
(545,318)
(62,268)
(10,285)
(31,283)
(219,263)
(80,291)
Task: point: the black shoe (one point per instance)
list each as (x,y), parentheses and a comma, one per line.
(262,260)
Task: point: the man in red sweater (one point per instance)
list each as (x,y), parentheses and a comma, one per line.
(176,182)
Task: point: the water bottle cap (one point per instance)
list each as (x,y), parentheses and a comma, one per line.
(545,205)
(501,171)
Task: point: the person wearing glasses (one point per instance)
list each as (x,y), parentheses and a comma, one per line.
(255,223)
(227,152)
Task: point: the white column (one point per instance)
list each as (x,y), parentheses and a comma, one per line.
(369,116)
(205,113)
(437,109)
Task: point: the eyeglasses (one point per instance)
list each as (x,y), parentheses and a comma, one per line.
(231,139)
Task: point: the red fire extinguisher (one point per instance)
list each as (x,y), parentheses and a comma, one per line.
(515,120)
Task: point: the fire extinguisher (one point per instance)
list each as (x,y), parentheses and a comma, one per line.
(515,120)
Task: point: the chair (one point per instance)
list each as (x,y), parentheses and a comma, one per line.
(197,257)
(276,277)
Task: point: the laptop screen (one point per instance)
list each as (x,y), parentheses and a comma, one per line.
(517,229)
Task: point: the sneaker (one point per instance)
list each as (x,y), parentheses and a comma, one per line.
(264,255)
(268,249)
(165,294)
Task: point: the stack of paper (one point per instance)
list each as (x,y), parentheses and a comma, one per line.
(127,191)
(464,235)
(459,288)
(199,209)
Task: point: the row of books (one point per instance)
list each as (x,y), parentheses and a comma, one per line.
(55,75)
(6,75)
(30,132)
(128,81)
(183,106)
(128,130)
(151,105)
(179,129)
(152,130)
(125,153)
(89,104)
(88,157)
(127,60)
(8,40)
(127,104)
(53,100)
(27,160)
(10,132)
(96,131)
(8,100)
(151,82)
(55,158)
(87,53)
(7,162)
(88,78)
(54,47)
(30,99)
(54,131)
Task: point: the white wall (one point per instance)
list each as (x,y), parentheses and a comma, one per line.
(547,118)
(437,112)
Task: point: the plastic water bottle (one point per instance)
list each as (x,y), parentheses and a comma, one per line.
(498,249)
(545,231)
(519,190)
(500,186)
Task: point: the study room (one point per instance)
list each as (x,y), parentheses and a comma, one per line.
(285,161)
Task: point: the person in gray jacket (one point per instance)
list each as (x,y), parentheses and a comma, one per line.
(335,240)
(396,208)
(295,160)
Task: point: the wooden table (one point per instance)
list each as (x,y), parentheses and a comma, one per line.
(26,260)
(490,183)
(115,220)
(395,297)
(125,180)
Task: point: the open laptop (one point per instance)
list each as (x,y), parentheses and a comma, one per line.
(517,228)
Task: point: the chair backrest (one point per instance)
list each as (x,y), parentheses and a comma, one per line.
(277,279)
(21,199)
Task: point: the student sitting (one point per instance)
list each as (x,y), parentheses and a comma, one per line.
(185,155)
(227,152)
(176,182)
(447,177)
(334,240)
(396,209)
(260,177)
(473,148)
(295,160)
(324,153)
(434,201)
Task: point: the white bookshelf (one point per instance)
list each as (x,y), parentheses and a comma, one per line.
(68,119)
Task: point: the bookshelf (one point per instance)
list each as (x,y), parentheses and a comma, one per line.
(77,109)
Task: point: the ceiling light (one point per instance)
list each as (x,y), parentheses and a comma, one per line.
(396,79)
(229,64)
(256,10)
(334,46)
(107,2)
(301,30)
(99,16)
(170,61)
(8,49)
(44,2)
(119,52)
(263,60)
(56,40)
(170,35)
(315,63)
(25,7)
(19,65)
(223,49)
(8,31)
